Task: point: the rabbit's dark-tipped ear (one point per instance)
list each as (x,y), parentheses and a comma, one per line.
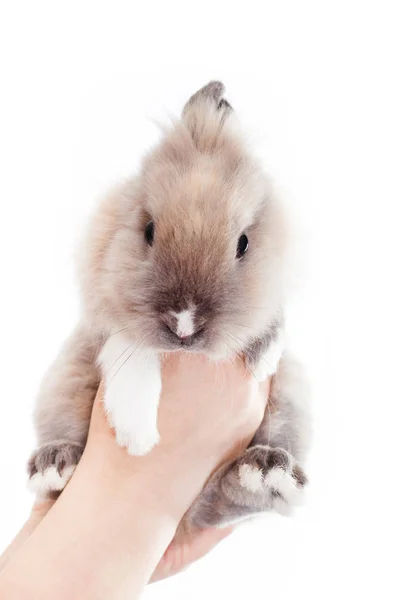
(211,94)
(205,114)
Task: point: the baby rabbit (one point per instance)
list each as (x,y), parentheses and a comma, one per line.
(190,254)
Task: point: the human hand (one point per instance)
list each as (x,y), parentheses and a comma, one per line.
(208,414)
(114,522)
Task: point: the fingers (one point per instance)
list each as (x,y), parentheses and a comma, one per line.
(204,541)
(180,555)
(40,509)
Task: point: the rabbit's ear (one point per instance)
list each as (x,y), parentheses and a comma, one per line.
(205,111)
(210,94)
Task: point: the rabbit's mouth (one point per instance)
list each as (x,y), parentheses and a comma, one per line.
(187,342)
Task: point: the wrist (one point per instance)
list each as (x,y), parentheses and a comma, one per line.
(168,479)
(122,481)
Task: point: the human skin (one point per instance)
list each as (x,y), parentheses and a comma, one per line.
(114,522)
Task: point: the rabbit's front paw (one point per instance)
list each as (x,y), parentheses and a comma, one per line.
(270,476)
(52,465)
(137,443)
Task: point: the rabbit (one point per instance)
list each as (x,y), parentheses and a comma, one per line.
(191,254)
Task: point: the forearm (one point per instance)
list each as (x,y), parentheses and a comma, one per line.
(109,539)
(36,516)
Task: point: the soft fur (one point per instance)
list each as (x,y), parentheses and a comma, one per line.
(202,189)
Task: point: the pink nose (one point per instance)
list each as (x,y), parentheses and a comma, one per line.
(182,336)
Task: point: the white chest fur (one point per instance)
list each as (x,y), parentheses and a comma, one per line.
(133,387)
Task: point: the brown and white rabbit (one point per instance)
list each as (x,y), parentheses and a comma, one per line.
(190,254)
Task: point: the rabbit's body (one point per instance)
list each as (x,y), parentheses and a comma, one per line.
(190,255)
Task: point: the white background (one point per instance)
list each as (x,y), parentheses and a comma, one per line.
(318,85)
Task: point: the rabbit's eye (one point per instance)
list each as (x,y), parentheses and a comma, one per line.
(242,246)
(149,233)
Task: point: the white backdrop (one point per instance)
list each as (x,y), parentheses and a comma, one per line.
(318,85)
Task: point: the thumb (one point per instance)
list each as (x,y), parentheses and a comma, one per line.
(180,555)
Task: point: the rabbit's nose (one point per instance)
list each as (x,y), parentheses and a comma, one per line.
(183,323)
